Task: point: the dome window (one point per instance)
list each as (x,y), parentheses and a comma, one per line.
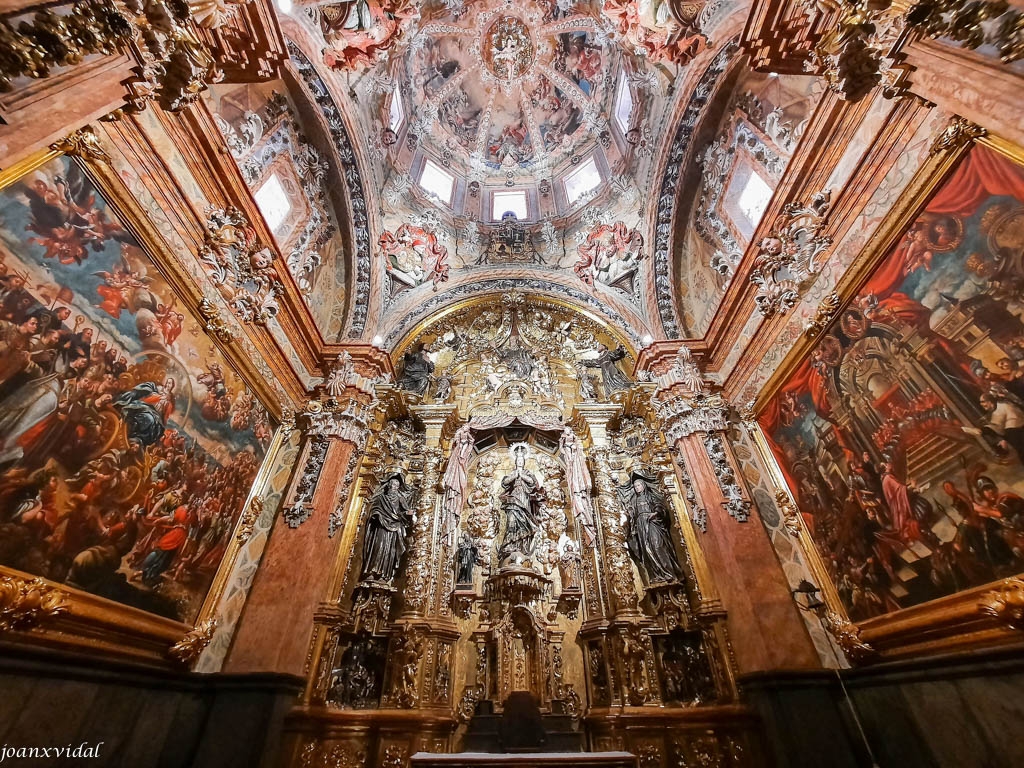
(436,181)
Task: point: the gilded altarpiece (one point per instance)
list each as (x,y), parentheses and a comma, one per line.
(516,530)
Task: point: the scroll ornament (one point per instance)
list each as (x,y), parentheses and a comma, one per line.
(27,603)
(241,268)
(790,254)
(188,650)
(1005,604)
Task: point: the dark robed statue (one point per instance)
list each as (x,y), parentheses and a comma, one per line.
(416,371)
(612,376)
(391,508)
(465,559)
(520,501)
(648,538)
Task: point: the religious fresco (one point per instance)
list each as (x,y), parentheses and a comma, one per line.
(611,255)
(127,444)
(901,435)
(578,55)
(357,31)
(413,256)
(508,83)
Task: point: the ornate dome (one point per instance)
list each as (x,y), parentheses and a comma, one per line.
(510,96)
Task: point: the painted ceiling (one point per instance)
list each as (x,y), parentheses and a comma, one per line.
(450,114)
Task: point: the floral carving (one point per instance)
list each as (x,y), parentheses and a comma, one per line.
(27,603)
(790,254)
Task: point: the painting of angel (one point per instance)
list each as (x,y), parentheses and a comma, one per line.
(123,466)
(901,435)
(580,58)
(357,31)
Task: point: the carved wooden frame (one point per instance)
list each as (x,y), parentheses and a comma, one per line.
(983,616)
(38,612)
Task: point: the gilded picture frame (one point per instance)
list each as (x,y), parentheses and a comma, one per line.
(41,612)
(985,615)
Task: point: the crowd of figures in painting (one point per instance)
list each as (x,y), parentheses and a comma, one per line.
(128,445)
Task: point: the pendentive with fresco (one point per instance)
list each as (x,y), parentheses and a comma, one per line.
(517,531)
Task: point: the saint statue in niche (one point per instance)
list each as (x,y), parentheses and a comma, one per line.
(648,525)
(520,501)
(612,377)
(391,508)
(416,371)
(465,559)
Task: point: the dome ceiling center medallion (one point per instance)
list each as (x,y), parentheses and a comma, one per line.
(508,48)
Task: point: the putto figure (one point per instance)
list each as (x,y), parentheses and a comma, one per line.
(520,501)
(391,507)
(648,525)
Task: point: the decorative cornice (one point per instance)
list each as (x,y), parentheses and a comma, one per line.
(27,603)
(188,650)
(684,416)
(82,143)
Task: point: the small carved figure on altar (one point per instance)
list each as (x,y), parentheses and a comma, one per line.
(391,507)
(612,376)
(569,567)
(443,388)
(586,384)
(465,560)
(416,371)
(520,501)
(581,488)
(648,523)
(357,681)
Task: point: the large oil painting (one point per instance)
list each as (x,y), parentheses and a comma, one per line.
(901,435)
(128,445)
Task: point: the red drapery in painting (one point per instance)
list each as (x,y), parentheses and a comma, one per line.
(981,174)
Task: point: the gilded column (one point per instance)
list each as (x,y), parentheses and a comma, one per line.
(422,645)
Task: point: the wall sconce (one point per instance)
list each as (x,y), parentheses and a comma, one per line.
(808,597)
